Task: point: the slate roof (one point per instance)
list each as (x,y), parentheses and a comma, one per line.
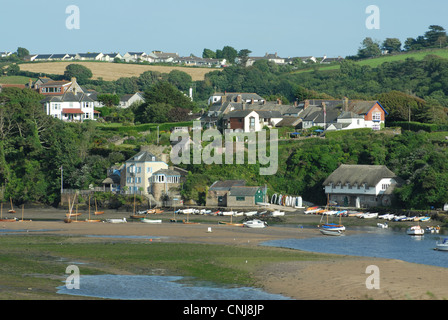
(243,191)
(226,185)
(167,172)
(68,97)
(359,175)
(142,156)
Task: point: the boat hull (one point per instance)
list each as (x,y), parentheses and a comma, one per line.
(255,224)
(329,232)
(151,221)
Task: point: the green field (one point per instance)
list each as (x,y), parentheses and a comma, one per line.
(374,62)
(15,80)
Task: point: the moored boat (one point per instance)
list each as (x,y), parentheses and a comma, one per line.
(255,224)
(277,213)
(382,225)
(311,210)
(333,226)
(442,245)
(415,231)
(329,232)
(116,220)
(235,224)
(154,221)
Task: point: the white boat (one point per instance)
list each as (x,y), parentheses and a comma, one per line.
(238,214)
(116,220)
(382,225)
(387,216)
(368,215)
(442,245)
(250,213)
(312,210)
(255,224)
(277,213)
(227,213)
(145,220)
(329,232)
(399,218)
(432,229)
(333,226)
(415,231)
(329,212)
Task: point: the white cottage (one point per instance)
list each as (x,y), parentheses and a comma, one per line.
(361,185)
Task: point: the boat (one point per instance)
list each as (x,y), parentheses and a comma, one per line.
(382,225)
(116,220)
(235,224)
(146,220)
(387,216)
(255,224)
(5,219)
(333,226)
(311,210)
(432,229)
(442,245)
(415,231)
(277,213)
(368,215)
(92,220)
(353,213)
(399,218)
(329,232)
(96,208)
(250,213)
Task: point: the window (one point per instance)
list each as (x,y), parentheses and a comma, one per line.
(240,198)
(384,186)
(376,116)
(252,122)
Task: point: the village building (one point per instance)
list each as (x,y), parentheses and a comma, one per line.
(128,100)
(217,193)
(361,186)
(244,196)
(66,100)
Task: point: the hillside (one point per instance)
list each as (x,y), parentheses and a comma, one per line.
(113,71)
(374,62)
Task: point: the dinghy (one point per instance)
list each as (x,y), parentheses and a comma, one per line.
(155,221)
(116,220)
(415,231)
(442,245)
(255,224)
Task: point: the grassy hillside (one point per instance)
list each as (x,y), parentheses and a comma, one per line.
(112,71)
(374,62)
(15,80)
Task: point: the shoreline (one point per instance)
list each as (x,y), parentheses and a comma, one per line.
(341,278)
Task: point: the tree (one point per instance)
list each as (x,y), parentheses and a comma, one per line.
(22,52)
(392,45)
(369,49)
(78,71)
(180,80)
(435,36)
(243,55)
(109,100)
(207,53)
(164,92)
(228,53)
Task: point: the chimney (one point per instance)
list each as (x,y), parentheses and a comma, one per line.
(296,103)
(73,79)
(238,98)
(252,101)
(279,101)
(345,104)
(30,84)
(223,98)
(306,105)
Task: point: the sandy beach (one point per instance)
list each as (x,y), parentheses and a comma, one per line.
(341,278)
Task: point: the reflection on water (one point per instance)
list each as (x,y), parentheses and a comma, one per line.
(133,287)
(374,242)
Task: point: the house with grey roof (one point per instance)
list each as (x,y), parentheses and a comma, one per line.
(133,56)
(244,196)
(218,191)
(129,99)
(361,186)
(97,56)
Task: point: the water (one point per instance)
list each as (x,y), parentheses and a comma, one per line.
(374,242)
(133,287)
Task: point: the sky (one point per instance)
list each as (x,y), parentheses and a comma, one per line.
(290,28)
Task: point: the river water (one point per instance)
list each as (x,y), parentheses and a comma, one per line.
(374,242)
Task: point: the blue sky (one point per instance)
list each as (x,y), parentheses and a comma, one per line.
(288,27)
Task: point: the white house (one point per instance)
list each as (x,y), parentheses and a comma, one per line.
(245,120)
(135,56)
(110,57)
(128,99)
(89,56)
(163,57)
(361,185)
(65,100)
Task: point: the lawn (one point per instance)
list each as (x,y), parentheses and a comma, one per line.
(15,80)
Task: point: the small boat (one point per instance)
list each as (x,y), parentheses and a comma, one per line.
(146,220)
(432,229)
(277,213)
(415,231)
(333,226)
(188,222)
(12,207)
(423,219)
(235,224)
(442,245)
(400,218)
(387,216)
(73,214)
(353,213)
(311,210)
(96,209)
(382,225)
(116,220)
(227,213)
(255,224)
(329,232)
(368,215)
(250,213)
(8,219)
